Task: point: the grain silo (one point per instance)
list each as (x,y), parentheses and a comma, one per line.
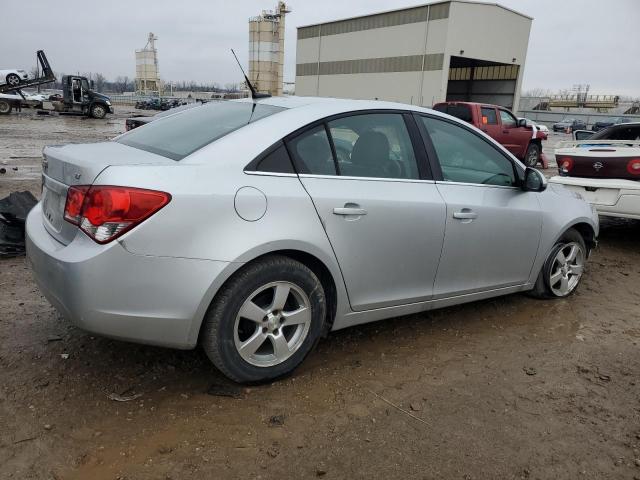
(266,50)
(147,73)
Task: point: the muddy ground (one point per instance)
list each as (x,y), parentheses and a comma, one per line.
(511,388)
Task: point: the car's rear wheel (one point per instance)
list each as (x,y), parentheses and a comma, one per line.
(265,320)
(563,268)
(532,156)
(13,80)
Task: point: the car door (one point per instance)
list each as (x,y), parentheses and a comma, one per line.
(492,226)
(377,202)
(514,138)
(490,124)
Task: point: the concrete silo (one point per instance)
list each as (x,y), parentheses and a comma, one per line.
(147,73)
(266,50)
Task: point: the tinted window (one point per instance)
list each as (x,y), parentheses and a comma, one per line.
(618,133)
(490,115)
(463,112)
(277,161)
(507,119)
(312,152)
(374,145)
(179,135)
(464,157)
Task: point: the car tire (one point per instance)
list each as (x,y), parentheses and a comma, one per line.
(98,111)
(532,157)
(13,80)
(5,107)
(246,333)
(555,279)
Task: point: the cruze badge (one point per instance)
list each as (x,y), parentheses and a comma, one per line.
(598,166)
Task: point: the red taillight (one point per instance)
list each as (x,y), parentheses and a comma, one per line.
(565,164)
(73,207)
(106,212)
(633,167)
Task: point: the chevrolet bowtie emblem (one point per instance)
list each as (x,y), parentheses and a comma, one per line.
(598,166)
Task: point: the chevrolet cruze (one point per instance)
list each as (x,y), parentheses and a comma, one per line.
(253,228)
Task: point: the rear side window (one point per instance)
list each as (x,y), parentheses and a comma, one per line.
(489,116)
(463,112)
(374,145)
(179,135)
(274,160)
(312,152)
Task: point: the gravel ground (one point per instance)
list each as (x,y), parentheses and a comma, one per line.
(510,388)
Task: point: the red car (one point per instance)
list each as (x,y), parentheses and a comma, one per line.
(500,124)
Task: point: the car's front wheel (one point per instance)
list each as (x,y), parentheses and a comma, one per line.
(98,111)
(265,320)
(532,156)
(563,268)
(13,80)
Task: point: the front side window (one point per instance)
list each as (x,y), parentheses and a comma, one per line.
(508,120)
(179,135)
(465,157)
(374,145)
(312,152)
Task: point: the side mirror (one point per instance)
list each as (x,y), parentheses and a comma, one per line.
(534,180)
(522,122)
(582,134)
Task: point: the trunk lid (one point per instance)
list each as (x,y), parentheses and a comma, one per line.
(68,165)
(599,161)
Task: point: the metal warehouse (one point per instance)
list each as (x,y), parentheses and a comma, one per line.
(455,50)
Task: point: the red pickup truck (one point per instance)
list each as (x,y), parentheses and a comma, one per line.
(516,135)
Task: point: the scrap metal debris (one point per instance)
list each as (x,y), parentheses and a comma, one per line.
(121,398)
(13,214)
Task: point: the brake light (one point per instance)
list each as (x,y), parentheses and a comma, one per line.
(566,164)
(633,167)
(105,212)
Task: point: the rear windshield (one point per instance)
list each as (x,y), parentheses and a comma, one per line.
(182,134)
(463,112)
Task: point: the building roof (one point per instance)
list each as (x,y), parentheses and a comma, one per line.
(417,6)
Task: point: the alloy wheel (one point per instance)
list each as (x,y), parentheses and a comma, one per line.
(13,79)
(566,270)
(272,324)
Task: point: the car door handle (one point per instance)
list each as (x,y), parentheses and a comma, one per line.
(465,214)
(505,131)
(349,211)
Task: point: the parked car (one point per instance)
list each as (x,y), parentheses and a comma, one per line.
(13,77)
(569,123)
(135,122)
(600,124)
(235,225)
(502,125)
(604,169)
(541,127)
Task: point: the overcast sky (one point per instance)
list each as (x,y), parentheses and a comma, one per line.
(572,41)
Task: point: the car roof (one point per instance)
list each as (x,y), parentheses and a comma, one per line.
(292,101)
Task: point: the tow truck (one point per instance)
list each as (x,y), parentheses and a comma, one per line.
(78,97)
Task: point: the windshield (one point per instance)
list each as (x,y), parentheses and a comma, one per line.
(177,136)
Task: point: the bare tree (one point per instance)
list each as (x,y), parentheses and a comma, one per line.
(100,82)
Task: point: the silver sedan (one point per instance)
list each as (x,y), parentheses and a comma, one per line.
(255,228)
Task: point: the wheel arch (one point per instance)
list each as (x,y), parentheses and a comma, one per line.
(327,278)
(587,232)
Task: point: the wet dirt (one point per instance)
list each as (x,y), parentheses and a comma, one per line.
(510,388)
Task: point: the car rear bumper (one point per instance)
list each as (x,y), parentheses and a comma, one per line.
(106,290)
(610,196)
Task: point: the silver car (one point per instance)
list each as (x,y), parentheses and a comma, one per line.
(255,228)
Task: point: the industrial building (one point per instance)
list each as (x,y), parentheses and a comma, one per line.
(453,50)
(266,50)
(147,72)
